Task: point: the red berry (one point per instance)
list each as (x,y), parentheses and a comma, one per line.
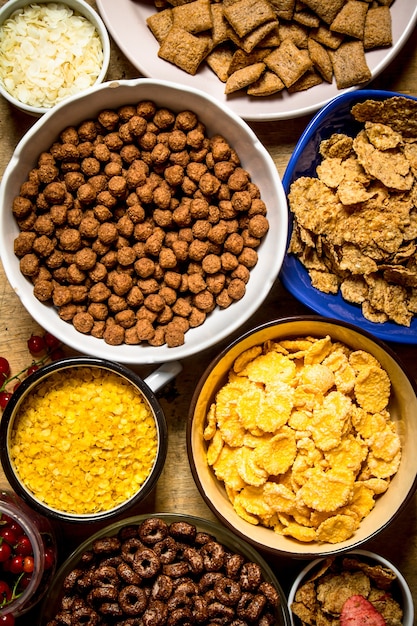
(28,564)
(5,592)
(49,558)
(4,398)
(7,620)
(8,534)
(23,546)
(4,367)
(51,341)
(25,580)
(16,564)
(5,552)
(36,344)
(57,354)
(32,369)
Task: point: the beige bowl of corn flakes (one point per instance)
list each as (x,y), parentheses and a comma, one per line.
(85,439)
(301,436)
(50,51)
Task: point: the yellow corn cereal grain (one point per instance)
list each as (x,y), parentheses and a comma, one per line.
(85,441)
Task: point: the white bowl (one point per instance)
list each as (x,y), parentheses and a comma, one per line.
(402,406)
(400,586)
(79,6)
(255,158)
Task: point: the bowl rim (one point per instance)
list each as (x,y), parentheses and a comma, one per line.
(80,6)
(372,556)
(335,550)
(266,270)
(38,376)
(319,303)
(236,543)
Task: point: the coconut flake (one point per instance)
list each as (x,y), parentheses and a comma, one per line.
(48,52)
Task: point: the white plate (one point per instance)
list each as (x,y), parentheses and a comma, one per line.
(126,22)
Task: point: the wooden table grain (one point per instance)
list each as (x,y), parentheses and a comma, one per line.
(176,491)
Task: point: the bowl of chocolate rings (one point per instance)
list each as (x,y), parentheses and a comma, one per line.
(358,587)
(352,236)
(141,222)
(84,440)
(301,436)
(166,569)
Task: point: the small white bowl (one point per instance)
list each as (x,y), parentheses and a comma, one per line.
(401,587)
(78,6)
(402,406)
(217,120)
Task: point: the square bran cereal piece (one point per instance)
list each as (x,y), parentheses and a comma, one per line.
(160,24)
(254,38)
(195,17)
(296,32)
(271,40)
(306,18)
(220,28)
(378,28)
(219,61)
(350,20)
(325,9)
(284,9)
(288,62)
(321,59)
(349,65)
(242,59)
(309,79)
(244,77)
(246,15)
(268,84)
(324,35)
(183,49)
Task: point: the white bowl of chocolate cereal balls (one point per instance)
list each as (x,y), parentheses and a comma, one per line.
(141,222)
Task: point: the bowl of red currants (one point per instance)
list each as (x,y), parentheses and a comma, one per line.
(28,556)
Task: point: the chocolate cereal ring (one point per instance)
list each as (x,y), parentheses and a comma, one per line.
(227,591)
(105,576)
(106,545)
(99,595)
(213,554)
(166,550)
(250,576)
(250,606)
(146,563)
(126,573)
(132,600)
(182,531)
(162,587)
(129,548)
(110,608)
(155,614)
(180,617)
(86,616)
(176,569)
(153,530)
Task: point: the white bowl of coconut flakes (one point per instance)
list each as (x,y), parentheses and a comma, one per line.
(49,51)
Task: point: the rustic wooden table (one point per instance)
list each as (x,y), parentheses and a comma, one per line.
(176,491)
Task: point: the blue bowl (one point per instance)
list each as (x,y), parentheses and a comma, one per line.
(335,117)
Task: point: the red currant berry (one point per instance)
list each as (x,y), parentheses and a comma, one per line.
(5,592)
(23,546)
(25,580)
(7,620)
(32,369)
(28,564)
(8,535)
(51,341)
(17,385)
(49,559)
(57,354)
(4,367)
(5,551)
(36,344)
(4,398)
(16,564)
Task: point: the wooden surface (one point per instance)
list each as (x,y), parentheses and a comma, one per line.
(176,491)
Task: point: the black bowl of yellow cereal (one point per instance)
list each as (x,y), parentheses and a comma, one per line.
(84,439)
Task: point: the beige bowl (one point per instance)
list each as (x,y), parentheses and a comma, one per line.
(79,7)
(403,408)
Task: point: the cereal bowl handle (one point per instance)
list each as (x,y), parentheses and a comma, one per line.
(161,376)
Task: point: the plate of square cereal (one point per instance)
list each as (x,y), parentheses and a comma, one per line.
(355,258)
(130,21)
